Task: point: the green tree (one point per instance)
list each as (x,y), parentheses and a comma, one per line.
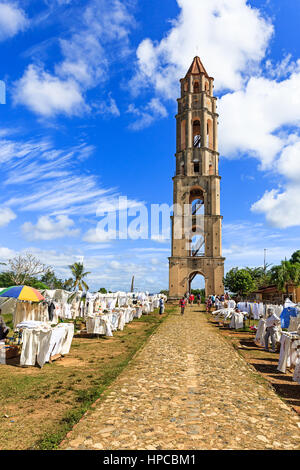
(102,290)
(295,258)
(239,281)
(165,292)
(78,273)
(6,279)
(260,276)
(52,281)
(24,267)
(37,284)
(284,274)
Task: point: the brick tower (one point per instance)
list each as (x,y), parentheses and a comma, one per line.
(197,249)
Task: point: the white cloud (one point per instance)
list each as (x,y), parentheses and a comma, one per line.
(96,235)
(37,174)
(230,36)
(283,68)
(289,162)
(108,108)
(48,95)
(281,208)
(244,243)
(263,120)
(98,36)
(146,115)
(48,228)
(6,216)
(6,253)
(115,265)
(12,20)
(251,119)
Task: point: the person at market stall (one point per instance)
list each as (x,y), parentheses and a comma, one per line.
(272,321)
(3,328)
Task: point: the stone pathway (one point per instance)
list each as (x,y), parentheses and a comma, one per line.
(187,389)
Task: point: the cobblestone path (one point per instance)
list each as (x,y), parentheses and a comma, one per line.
(187,389)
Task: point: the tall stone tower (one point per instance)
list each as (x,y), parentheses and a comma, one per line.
(196,221)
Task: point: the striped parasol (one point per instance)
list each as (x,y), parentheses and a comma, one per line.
(22,293)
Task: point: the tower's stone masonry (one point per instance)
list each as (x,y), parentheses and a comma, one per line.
(197,182)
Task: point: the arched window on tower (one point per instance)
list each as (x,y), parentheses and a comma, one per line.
(197,200)
(196,134)
(197,242)
(196,87)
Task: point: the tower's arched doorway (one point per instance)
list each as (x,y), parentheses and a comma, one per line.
(196,281)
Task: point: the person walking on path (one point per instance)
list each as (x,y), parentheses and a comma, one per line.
(161,306)
(271,327)
(199,299)
(208,304)
(182,303)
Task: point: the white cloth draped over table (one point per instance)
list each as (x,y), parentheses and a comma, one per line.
(40,341)
(258,310)
(70,305)
(289,351)
(106,323)
(260,332)
(223,313)
(99,325)
(237,320)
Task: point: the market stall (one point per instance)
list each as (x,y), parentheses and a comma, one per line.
(35,338)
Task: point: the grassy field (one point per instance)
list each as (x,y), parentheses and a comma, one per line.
(39,406)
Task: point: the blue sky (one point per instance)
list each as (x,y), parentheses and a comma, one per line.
(89,116)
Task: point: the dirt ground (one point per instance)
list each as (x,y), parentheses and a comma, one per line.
(37,404)
(265,363)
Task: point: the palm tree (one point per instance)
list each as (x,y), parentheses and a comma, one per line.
(284,274)
(77,281)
